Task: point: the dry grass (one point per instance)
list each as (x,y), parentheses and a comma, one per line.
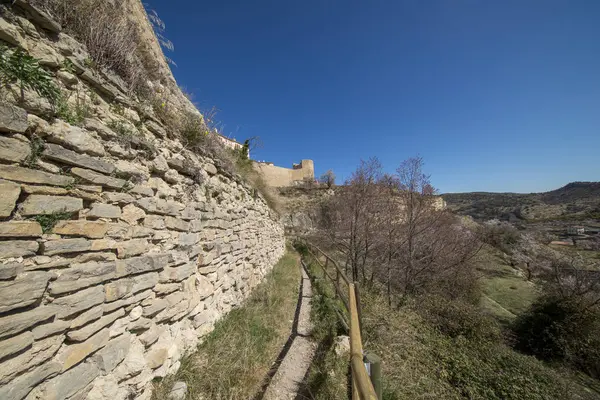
(234,359)
(111,38)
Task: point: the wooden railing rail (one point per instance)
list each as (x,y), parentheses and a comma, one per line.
(362,383)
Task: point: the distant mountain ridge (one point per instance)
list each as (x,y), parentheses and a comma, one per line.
(577,200)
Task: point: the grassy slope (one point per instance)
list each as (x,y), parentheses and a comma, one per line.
(234,359)
(506,293)
(419,362)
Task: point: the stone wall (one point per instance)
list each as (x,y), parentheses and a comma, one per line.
(275,176)
(119,249)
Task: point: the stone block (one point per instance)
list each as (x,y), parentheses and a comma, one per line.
(136,265)
(142,190)
(13,150)
(41,204)
(123,287)
(63,246)
(26,175)
(205,287)
(15,344)
(41,351)
(155,205)
(108,307)
(80,276)
(15,323)
(150,336)
(132,248)
(75,138)
(25,290)
(177,274)
(97,126)
(177,224)
(86,317)
(88,229)
(133,363)
(103,244)
(58,153)
(66,385)
(136,172)
(188,239)
(166,288)
(157,306)
(156,357)
(9,193)
(50,329)
(10,270)
(154,222)
(140,324)
(73,354)
(68,306)
(47,190)
(18,248)
(132,214)
(21,386)
(119,197)
(99,179)
(113,353)
(20,229)
(12,118)
(100,210)
(88,330)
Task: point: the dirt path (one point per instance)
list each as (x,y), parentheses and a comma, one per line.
(289,375)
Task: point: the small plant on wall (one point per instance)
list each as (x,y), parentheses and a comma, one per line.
(18,67)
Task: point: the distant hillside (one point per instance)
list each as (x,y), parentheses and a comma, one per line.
(577,200)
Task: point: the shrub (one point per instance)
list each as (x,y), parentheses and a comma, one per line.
(458,318)
(18,67)
(556,329)
(501,235)
(73,115)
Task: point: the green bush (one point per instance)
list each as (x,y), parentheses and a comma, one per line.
(18,67)
(458,318)
(555,329)
(483,371)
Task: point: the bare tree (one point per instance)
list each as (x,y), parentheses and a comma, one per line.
(389,230)
(348,218)
(328,178)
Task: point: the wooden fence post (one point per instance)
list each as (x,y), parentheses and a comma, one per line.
(375,366)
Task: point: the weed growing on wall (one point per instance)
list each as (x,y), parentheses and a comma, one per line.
(48,221)
(18,67)
(74,115)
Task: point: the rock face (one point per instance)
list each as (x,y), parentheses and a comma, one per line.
(118,253)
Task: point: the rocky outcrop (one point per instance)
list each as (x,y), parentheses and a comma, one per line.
(119,248)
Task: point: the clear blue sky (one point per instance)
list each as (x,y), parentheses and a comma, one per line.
(495,95)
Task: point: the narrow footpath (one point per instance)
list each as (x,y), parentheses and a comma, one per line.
(286,381)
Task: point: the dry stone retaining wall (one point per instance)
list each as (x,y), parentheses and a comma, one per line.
(118,252)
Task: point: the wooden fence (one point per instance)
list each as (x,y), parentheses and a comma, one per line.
(365,386)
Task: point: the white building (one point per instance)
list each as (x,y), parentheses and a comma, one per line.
(576,230)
